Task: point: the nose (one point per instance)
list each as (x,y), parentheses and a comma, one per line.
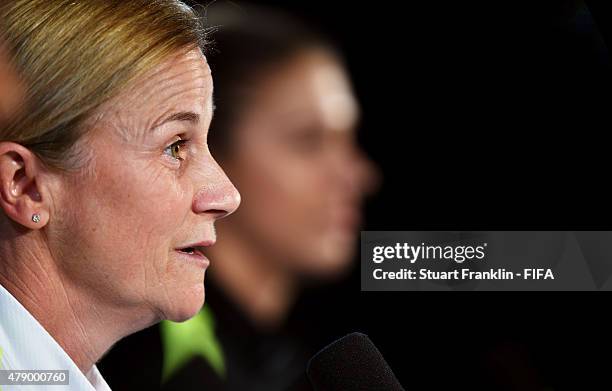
(217,197)
(356,172)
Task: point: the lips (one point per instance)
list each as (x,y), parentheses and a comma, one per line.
(348,219)
(196,246)
(195,252)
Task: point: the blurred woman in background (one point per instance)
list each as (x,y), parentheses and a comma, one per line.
(285,129)
(285,132)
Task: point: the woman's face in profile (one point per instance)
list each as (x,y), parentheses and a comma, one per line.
(297,164)
(150,187)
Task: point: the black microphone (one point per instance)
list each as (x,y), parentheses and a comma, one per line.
(351,363)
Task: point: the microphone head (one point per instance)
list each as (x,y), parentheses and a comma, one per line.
(351,363)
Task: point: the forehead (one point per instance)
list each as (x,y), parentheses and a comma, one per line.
(181,83)
(183,73)
(314,83)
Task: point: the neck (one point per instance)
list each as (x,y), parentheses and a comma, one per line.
(84,327)
(262,289)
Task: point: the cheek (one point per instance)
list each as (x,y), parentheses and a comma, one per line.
(123,224)
(142,203)
(282,190)
(284,202)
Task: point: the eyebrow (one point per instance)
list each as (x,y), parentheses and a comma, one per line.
(186,116)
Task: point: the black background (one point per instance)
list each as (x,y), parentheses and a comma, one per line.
(492,115)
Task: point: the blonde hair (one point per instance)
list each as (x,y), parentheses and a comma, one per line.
(73,55)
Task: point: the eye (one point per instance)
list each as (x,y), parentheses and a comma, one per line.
(307,141)
(175,149)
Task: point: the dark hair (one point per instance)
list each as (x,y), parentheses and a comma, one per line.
(247,42)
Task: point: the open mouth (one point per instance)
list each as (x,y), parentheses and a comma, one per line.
(191,251)
(194,255)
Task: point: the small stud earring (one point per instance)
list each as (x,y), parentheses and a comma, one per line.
(36,217)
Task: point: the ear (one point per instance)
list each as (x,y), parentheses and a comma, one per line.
(21,177)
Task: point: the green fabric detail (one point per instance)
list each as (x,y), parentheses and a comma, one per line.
(194,337)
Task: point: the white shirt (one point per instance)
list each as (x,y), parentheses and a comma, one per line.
(25,344)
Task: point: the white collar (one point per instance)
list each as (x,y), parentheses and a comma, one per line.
(25,344)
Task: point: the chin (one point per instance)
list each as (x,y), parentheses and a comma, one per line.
(187,305)
(339,250)
(330,262)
